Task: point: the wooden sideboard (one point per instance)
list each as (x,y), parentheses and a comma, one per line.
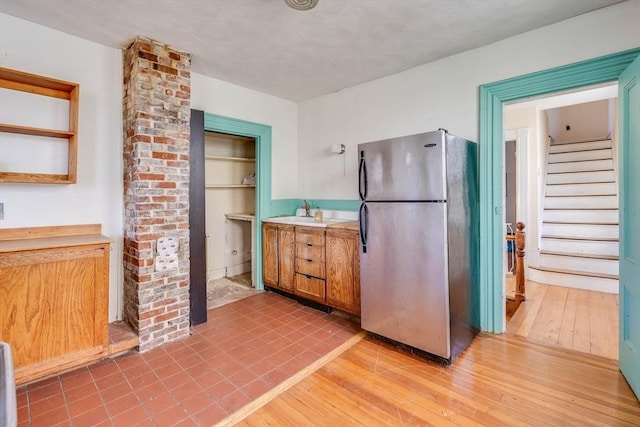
(54,297)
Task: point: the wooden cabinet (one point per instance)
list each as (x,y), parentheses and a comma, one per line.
(278,256)
(310,287)
(270,254)
(343,270)
(318,264)
(53,297)
(310,263)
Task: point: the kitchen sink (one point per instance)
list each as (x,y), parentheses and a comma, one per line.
(305,220)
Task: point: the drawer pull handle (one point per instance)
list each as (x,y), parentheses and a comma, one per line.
(309,244)
(309,260)
(309,277)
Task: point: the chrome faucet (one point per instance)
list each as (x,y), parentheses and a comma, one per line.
(307,208)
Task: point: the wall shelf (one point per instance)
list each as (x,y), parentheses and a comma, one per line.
(26,130)
(229,186)
(231,159)
(44,86)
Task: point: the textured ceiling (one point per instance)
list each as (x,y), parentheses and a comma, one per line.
(297,55)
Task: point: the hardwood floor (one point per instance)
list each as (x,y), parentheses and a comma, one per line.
(574,319)
(499,380)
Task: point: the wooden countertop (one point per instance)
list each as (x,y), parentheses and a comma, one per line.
(52,242)
(348,225)
(32,238)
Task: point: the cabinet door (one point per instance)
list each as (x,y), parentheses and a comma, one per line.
(286,257)
(310,288)
(270,254)
(343,270)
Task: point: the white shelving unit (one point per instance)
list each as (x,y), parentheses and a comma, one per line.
(229,186)
(230,237)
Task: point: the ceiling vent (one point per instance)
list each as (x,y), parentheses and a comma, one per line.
(302,4)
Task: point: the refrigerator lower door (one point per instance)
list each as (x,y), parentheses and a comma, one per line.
(403,275)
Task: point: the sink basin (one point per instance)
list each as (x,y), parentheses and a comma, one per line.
(304,220)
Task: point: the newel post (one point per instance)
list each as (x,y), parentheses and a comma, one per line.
(520,244)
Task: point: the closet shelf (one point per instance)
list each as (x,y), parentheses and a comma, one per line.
(229,186)
(231,159)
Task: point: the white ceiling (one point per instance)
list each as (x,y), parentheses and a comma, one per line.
(297,55)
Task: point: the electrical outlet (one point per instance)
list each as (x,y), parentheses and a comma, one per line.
(1,210)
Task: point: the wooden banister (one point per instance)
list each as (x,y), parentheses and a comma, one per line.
(514,302)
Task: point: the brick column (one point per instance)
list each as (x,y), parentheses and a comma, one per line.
(156,109)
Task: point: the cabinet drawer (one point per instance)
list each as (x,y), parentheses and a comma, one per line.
(309,236)
(310,267)
(315,253)
(310,287)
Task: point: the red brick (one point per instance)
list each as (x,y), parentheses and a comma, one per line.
(151,313)
(167,316)
(151,176)
(141,138)
(164,155)
(165,184)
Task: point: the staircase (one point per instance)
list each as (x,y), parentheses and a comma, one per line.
(579,230)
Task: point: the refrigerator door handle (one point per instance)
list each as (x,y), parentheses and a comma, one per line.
(363,183)
(364,226)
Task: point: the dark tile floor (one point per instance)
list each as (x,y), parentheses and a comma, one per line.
(245,349)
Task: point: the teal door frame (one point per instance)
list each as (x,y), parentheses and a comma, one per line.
(262,135)
(492,97)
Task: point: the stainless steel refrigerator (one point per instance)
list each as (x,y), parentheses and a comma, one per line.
(418,249)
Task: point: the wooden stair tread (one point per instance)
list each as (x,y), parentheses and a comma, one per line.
(576,272)
(580,142)
(594,239)
(579,223)
(580,171)
(579,255)
(582,183)
(580,209)
(580,151)
(580,195)
(576,161)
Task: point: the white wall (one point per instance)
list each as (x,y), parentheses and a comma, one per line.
(226,99)
(442,94)
(527,118)
(586,121)
(97,196)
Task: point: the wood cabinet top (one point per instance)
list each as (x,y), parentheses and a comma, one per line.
(31,238)
(349,225)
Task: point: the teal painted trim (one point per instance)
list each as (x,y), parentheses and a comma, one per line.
(492,97)
(283,207)
(262,135)
(335,205)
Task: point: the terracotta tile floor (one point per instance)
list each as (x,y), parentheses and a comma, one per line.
(246,348)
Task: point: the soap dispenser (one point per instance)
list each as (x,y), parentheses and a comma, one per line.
(318,215)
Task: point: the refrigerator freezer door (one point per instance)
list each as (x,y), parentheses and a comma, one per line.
(403,282)
(406,168)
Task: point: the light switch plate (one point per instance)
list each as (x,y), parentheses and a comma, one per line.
(1,210)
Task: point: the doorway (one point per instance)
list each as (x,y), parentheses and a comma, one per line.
(572,230)
(230,206)
(202,122)
(623,66)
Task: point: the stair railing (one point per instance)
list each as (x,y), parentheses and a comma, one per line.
(512,303)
